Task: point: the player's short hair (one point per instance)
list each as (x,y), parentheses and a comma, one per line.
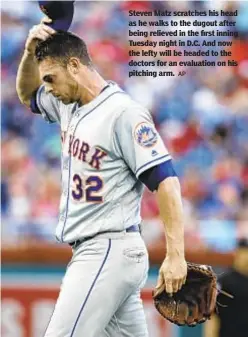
(62,46)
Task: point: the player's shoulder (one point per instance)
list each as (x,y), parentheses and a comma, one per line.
(128,107)
(134,110)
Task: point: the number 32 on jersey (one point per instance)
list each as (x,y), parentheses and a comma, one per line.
(87,189)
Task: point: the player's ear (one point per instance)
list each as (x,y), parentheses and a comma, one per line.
(73,66)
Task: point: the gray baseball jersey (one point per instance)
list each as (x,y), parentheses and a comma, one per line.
(106,145)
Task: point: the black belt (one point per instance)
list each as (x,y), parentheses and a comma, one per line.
(131,229)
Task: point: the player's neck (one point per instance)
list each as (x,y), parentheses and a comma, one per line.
(90,86)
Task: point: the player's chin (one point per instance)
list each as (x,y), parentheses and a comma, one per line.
(66,100)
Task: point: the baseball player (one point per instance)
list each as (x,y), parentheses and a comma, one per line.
(110,150)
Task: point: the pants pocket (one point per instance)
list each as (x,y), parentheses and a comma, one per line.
(136,254)
(136,261)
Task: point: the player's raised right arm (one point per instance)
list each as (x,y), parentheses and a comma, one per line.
(28,78)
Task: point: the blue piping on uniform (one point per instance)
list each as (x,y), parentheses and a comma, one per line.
(152,161)
(91,288)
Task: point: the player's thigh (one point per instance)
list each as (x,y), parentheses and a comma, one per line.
(84,307)
(129,320)
(102,274)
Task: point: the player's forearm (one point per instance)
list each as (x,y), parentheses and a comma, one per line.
(28,78)
(171,212)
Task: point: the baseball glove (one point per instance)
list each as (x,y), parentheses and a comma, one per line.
(194,302)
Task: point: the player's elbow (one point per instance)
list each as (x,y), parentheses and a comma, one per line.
(25,101)
(24,98)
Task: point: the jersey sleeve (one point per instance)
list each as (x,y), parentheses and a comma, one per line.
(138,142)
(46,104)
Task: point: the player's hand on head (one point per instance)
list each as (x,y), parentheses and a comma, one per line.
(172,275)
(46,19)
(38,32)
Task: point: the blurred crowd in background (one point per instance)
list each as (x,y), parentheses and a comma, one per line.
(202,117)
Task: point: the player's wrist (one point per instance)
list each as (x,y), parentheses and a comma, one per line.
(175,253)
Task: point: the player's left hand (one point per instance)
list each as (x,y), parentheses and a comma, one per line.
(172,275)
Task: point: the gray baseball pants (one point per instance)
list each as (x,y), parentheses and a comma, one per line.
(100,292)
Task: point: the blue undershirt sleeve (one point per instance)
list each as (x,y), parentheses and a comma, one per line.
(155,175)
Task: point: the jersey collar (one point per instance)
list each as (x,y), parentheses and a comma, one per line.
(106,92)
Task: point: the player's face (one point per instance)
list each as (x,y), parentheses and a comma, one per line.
(58,81)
